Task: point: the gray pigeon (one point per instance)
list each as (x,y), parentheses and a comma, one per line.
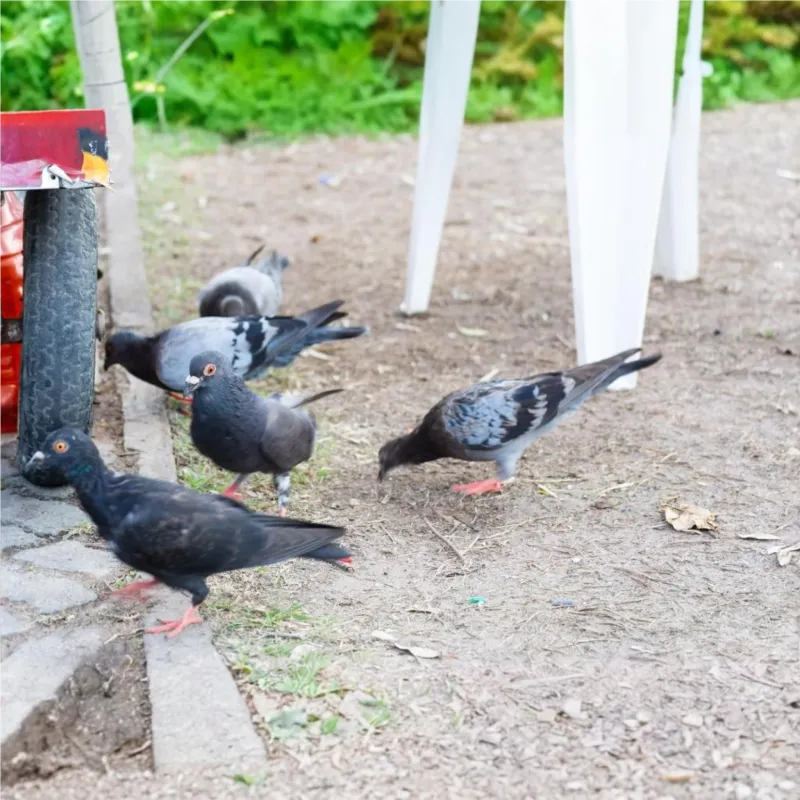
(253,288)
(252,344)
(498,420)
(244,432)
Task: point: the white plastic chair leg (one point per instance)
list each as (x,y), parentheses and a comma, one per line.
(677,248)
(449,54)
(619,67)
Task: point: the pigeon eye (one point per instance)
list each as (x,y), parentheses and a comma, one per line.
(209,370)
(60,446)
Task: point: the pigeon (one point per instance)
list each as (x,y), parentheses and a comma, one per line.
(253,344)
(498,420)
(244,432)
(247,290)
(173,533)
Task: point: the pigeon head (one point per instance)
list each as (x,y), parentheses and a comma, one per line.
(69,453)
(206,370)
(413,448)
(123,347)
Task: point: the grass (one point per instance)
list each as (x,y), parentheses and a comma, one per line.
(291,659)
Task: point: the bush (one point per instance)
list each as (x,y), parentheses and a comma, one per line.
(354,65)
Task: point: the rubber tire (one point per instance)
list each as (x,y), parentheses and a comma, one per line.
(58,321)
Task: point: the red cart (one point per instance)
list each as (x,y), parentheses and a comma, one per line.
(49,165)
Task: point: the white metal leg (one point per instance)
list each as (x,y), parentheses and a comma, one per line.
(449,53)
(619,67)
(678,249)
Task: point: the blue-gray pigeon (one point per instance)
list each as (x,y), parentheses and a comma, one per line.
(498,420)
(252,344)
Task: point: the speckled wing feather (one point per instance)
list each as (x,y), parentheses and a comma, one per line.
(247,341)
(489,416)
(250,343)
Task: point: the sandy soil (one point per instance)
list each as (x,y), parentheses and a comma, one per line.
(672,670)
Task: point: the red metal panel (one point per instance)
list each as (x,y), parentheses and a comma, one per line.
(73,140)
(11,226)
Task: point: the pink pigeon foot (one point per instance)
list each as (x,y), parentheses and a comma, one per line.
(233,494)
(137,590)
(479,487)
(186,403)
(174,626)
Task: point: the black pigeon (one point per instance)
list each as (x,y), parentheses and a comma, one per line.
(252,344)
(177,535)
(256,287)
(498,420)
(244,432)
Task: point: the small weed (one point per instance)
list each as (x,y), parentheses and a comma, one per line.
(288,724)
(303,678)
(249,780)
(255,617)
(329,725)
(381,716)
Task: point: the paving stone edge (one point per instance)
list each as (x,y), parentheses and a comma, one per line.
(199,719)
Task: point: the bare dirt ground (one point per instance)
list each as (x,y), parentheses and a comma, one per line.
(672,673)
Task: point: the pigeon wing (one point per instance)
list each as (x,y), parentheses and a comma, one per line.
(193,534)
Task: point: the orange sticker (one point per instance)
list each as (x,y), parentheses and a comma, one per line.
(94,168)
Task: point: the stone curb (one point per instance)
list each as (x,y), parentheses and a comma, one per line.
(199,719)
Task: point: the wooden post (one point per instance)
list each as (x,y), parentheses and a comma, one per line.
(97,40)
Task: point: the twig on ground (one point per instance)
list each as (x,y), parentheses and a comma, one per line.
(445,540)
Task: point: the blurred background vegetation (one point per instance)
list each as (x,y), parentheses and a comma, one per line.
(287,68)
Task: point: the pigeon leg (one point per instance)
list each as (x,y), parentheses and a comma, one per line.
(174,626)
(479,487)
(282,484)
(186,403)
(137,590)
(233,490)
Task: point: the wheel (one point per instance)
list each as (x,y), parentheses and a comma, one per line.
(59,298)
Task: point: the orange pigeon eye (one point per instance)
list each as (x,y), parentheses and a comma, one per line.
(60,446)
(209,370)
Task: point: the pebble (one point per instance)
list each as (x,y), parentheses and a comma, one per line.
(644,717)
(572,707)
(547,715)
(742,792)
(693,720)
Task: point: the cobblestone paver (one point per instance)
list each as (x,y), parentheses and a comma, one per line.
(41,575)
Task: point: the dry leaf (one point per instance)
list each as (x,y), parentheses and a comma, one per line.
(472,332)
(762,537)
(687,518)
(419,652)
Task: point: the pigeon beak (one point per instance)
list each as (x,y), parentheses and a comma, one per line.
(191,384)
(36,458)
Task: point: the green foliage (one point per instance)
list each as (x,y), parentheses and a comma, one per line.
(354,65)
